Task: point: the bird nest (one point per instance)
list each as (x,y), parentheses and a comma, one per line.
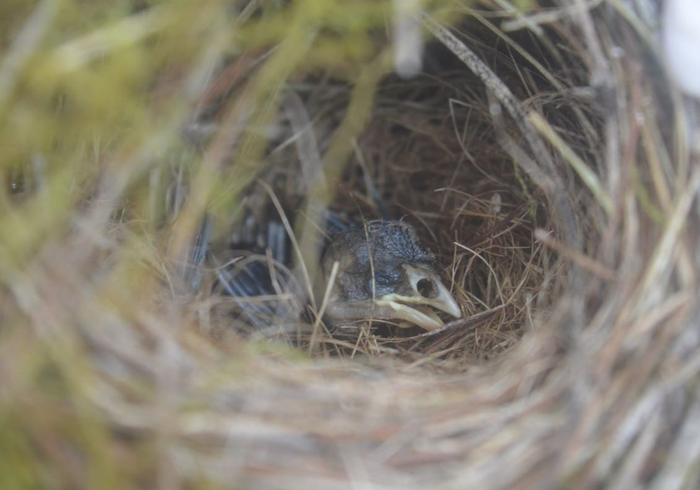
(540,155)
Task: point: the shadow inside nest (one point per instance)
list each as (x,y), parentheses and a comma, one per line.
(431,157)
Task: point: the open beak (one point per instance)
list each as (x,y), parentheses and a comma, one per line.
(428,292)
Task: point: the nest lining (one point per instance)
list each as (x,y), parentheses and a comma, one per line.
(468,206)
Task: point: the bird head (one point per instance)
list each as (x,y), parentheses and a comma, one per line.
(384,273)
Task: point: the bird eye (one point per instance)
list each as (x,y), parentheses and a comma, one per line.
(426,288)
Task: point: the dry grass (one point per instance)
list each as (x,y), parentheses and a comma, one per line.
(551,174)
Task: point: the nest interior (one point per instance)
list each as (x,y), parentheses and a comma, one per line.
(540,154)
(429,155)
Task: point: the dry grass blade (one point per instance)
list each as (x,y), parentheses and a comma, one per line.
(586,174)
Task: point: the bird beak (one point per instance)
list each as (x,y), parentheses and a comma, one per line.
(428,292)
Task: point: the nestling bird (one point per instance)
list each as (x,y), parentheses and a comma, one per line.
(385,273)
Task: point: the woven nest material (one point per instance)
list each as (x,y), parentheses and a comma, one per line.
(543,156)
